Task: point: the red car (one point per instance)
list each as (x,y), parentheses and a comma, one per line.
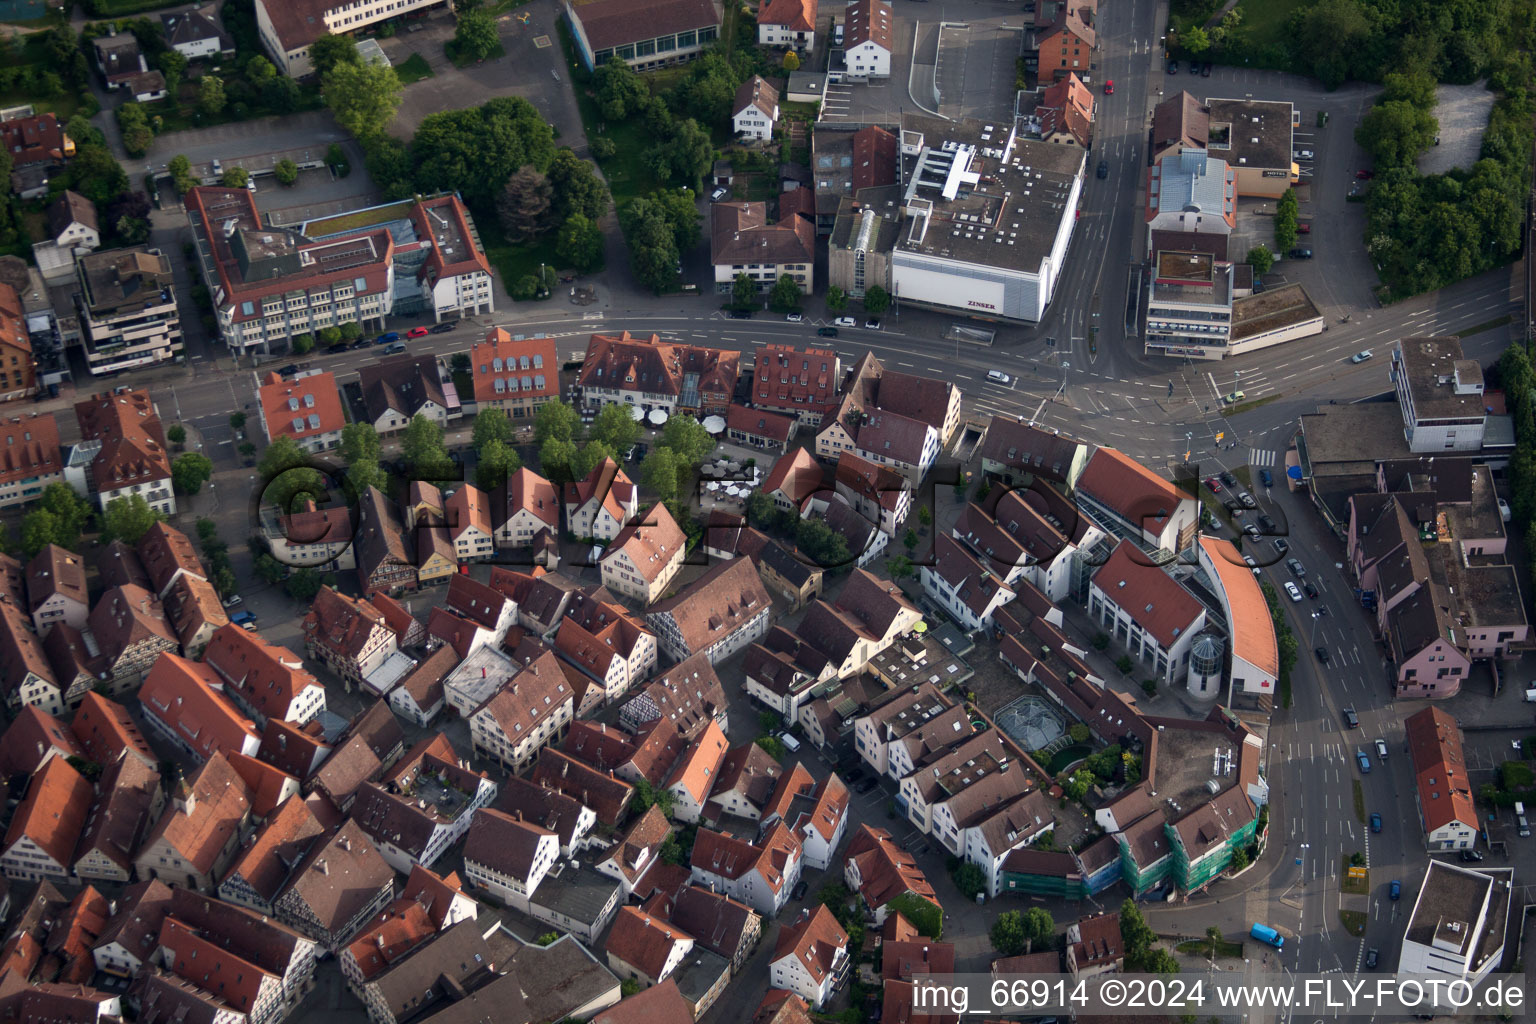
(417,332)
(1365,175)
(1305,227)
(1213,484)
(1109,87)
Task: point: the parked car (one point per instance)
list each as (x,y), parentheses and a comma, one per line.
(1205,69)
(801,888)
(1375,822)
(867,785)
(1266,478)
(417,332)
(1250,563)
(1304,154)
(1251,531)
(289,370)
(852,775)
(1109,87)
(872,324)
(719,194)
(1322,654)
(1214,484)
(232,600)
(1471,856)
(442,328)
(387,337)
(1227,478)
(741,314)
(1381,749)
(1293,591)
(1173,67)
(1297,569)
(361,343)
(1267,523)
(1361,356)
(1365,175)
(999,377)
(846,321)
(1395,889)
(1304,228)
(1103,171)
(1301,254)
(793,318)
(827,332)
(1247,500)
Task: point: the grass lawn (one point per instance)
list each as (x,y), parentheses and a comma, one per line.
(515,261)
(1265,21)
(1250,406)
(1202,947)
(34,224)
(413,69)
(464,62)
(626,171)
(1353,921)
(360,219)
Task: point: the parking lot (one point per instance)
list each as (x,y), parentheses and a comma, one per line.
(975,68)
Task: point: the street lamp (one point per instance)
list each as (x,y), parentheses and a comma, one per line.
(1315,617)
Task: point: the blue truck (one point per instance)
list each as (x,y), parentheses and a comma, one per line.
(1264,933)
(243,619)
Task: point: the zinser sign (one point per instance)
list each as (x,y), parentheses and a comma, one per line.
(980,305)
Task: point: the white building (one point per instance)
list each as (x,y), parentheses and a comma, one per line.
(811,957)
(1128,501)
(508,857)
(1458,923)
(1189,306)
(1440,394)
(869,32)
(989,217)
(288,27)
(756,110)
(787,23)
(1146,612)
(1255,665)
(968,591)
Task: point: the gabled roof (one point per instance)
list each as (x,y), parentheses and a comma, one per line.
(658,746)
(55,570)
(120,815)
(270,678)
(70,208)
(630,363)
(293,749)
(505,843)
(1440,770)
(468,508)
(598,744)
(609,484)
(220,805)
(633,852)
(1180,122)
(728,857)
(31,442)
(1067,106)
(186,697)
(1121,483)
(696,771)
(786,377)
(816,940)
(652,541)
(32,738)
(192,604)
(1146,593)
(797,474)
(53,812)
(341,623)
(644,942)
(527,368)
(403,385)
(793,15)
(132,441)
(535,693)
(757,93)
(885,869)
(659,1004)
(747,770)
(129,615)
(606,795)
(689,695)
(269,785)
(740,233)
(275,850)
(716,922)
(874,157)
(340,876)
(758,423)
(301,407)
(716,605)
(869,21)
(1253,633)
(526,490)
(398,930)
(547,808)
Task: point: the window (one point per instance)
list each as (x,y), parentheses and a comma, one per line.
(360,284)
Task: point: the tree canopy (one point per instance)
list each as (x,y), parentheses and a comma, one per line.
(615,427)
(555,419)
(190,471)
(328,51)
(475,37)
(363,97)
(475,151)
(491,425)
(423,448)
(127,519)
(359,441)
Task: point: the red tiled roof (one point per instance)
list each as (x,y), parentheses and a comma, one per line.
(815,939)
(716,604)
(271,853)
(32,738)
(301,407)
(797,474)
(606,795)
(184,695)
(794,15)
(29,445)
(343,624)
(1440,769)
(757,423)
(885,869)
(400,928)
(1067,106)
(52,814)
(1147,594)
(729,857)
(598,744)
(35,139)
(696,771)
(869,21)
(464,256)
(132,441)
(514,362)
(129,615)
(874,157)
(105,729)
(613,23)
(269,785)
(659,1004)
(652,541)
(785,378)
(628,363)
(267,676)
(644,942)
(740,233)
(527,490)
(1131,489)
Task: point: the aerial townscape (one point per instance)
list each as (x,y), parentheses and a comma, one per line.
(654,511)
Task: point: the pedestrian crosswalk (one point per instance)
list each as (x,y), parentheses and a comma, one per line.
(1261,457)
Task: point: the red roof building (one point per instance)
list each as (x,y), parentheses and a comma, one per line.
(184,702)
(30,459)
(652,374)
(801,383)
(40,843)
(514,375)
(132,459)
(36,139)
(264,680)
(1443,789)
(306,407)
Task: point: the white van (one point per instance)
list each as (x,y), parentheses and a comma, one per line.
(790,743)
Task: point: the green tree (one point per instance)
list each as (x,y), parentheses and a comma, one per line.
(363,98)
(523,207)
(270,569)
(1330,36)
(173,66)
(876,300)
(127,519)
(579,245)
(616,428)
(285,467)
(555,457)
(970,880)
(619,90)
(588,457)
(1260,259)
(1194,40)
(1413,87)
(1136,935)
(577,187)
(491,425)
(95,174)
(329,336)
(352,330)
(1039,929)
(899,567)
(328,51)
(303,344)
(475,151)
(180,169)
(1157,961)
(555,419)
(71,512)
(359,441)
(303,584)
(603,148)
(743,292)
(1396,132)
(39,528)
(1239,859)
(210,95)
(476,37)
(237,421)
(687,437)
(137,134)
(423,448)
(660,471)
(190,471)
(924,516)
(785,297)
(909,539)
(837,299)
(260,71)
(1285,221)
(366,473)
(498,461)
(235,177)
(176,434)
(286,172)
(818,543)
